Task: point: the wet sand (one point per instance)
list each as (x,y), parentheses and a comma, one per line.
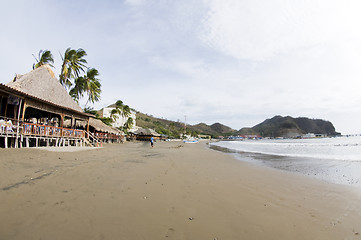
(173,191)
(333,171)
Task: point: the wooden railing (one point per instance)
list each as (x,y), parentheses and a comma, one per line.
(31,129)
(44,130)
(107,136)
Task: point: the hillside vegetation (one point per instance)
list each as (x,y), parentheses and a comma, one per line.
(175,129)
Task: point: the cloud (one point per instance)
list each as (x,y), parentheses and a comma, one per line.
(259,30)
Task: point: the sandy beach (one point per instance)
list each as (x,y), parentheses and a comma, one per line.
(171,191)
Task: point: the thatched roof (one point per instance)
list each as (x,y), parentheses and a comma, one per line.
(146,132)
(97,124)
(102,127)
(41,83)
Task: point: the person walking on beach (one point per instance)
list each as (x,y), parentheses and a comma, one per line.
(151,141)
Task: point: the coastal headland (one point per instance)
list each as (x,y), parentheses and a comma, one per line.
(171,191)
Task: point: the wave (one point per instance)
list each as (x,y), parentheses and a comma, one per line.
(341,149)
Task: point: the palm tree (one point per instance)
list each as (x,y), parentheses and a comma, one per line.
(45,57)
(123,110)
(128,124)
(119,104)
(126,111)
(73,65)
(92,85)
(88,84)
(78,90)
(114,114)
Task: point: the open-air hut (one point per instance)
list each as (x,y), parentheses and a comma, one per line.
(144,134)
(35,100)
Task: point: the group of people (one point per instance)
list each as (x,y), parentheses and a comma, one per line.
(6,126)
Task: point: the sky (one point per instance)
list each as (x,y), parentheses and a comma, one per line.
(237,62)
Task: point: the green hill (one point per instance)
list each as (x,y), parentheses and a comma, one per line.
(279,126)
(175,129)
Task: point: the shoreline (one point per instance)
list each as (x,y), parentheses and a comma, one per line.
(173,191)
(345,173)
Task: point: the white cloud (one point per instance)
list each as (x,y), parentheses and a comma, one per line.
(260,30)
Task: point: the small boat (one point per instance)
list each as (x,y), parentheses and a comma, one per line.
(190,140)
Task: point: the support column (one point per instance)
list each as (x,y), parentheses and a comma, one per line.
(23,114)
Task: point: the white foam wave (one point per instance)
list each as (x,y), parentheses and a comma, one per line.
(342,149)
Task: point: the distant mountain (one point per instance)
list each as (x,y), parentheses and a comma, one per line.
(279,126)
(216,129)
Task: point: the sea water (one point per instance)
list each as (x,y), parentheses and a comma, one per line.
(336,160)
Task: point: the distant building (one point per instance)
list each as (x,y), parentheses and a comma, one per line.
(309,135)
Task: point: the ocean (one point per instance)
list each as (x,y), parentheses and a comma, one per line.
(336,160)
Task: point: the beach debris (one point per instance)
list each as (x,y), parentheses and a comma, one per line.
(145,197)
(191,218)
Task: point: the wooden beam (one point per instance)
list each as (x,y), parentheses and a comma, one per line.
(87,127)
(23,114)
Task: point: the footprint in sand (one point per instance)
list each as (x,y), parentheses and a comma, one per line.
(170,232)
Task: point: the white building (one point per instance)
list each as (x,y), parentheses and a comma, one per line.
(119,120)
(309,135)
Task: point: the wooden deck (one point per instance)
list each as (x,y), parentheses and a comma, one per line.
(36,135)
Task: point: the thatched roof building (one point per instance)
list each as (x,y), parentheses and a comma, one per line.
(146,132)
(41,83)
(96,125)
(42,95)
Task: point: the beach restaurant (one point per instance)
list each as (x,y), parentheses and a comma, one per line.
(33,108)
(100,130)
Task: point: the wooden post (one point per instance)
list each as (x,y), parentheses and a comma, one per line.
(21,140)
(87,127)
(6,141)
(23,114)
(61,123)
(18,124)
